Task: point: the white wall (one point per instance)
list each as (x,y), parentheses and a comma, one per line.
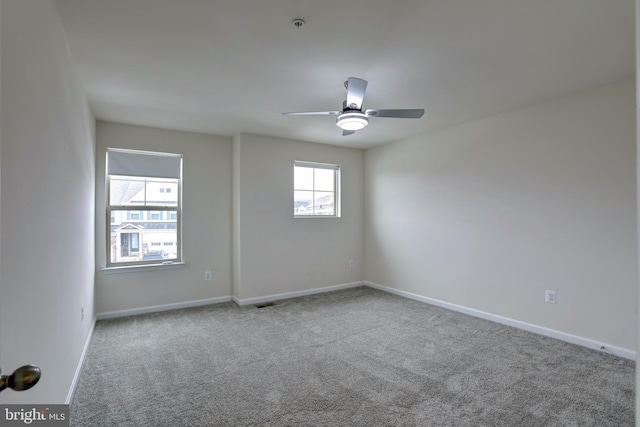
(489,214)
(206,218)
(276,253)
(638,203)
(47,202)
(272,253)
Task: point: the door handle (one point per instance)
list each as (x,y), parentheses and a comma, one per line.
(22,378)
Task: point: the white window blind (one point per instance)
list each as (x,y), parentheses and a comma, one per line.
(146,164)
(316,165)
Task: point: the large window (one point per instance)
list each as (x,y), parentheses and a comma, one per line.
(316,189)
(143,207)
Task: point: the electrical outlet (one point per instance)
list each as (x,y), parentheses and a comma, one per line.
(208,275)
(550,296)
(351,263)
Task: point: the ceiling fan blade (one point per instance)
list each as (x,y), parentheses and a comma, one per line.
(313,113)
(398,114)
(348,132)
(355,93)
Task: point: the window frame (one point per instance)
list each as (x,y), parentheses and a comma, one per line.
(140,209)
(337,186)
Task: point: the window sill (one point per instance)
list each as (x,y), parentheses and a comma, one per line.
(146,267)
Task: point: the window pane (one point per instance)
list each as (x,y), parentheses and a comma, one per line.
(302,178)
(135,239)
(133,191)
(324,180)
(323,203)
(315,189)
(302,202)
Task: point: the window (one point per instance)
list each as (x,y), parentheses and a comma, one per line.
(141,187)
(133,215)
(316,189)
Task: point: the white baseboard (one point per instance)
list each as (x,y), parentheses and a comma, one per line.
(164,307)
(287,295)
(541,330)
(76,376)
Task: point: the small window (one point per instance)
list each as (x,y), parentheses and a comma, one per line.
(133,215)
(143,206)
(316,189)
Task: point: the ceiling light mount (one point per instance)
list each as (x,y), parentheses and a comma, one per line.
(298,23)
(352,120)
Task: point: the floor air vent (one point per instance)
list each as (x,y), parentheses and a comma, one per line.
(266,304)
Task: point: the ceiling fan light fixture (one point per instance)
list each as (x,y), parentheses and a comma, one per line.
(352,121)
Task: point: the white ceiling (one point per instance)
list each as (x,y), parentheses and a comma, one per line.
(230,66)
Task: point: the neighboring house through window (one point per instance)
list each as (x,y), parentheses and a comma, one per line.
(143,206)
(316,189)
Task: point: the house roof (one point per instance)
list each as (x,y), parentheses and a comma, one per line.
(125,190)
(227,67)
(144,225)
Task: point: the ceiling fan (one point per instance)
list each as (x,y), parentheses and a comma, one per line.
(352,118)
